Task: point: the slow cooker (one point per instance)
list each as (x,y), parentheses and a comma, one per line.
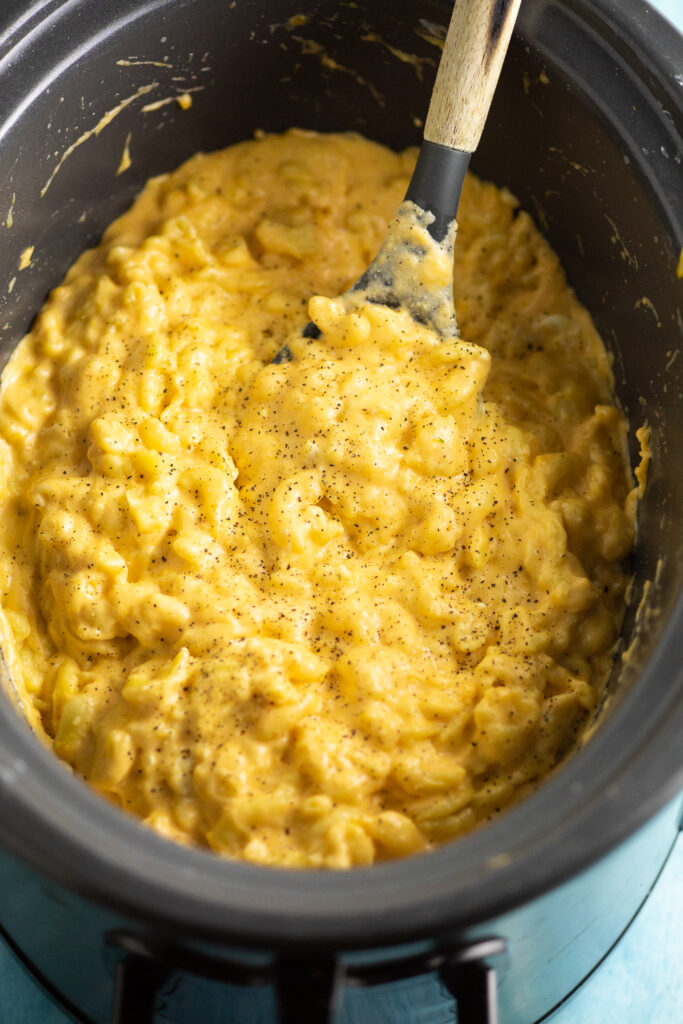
(586,129)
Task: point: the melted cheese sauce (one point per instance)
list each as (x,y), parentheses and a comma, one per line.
(330,611)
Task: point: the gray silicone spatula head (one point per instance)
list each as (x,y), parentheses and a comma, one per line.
(473,54)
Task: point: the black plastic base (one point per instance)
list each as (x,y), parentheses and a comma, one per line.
(436,184)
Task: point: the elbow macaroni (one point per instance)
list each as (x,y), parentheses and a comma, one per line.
(326,612)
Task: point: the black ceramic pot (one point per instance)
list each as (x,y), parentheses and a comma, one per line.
(586,130)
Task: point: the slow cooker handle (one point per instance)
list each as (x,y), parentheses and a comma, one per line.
(474,986)
(307,990)
(463,970)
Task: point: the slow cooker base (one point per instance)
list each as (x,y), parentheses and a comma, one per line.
(166,996)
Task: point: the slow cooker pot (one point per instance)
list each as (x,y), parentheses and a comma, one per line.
(586,130)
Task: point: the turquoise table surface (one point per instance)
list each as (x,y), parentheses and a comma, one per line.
(640,982)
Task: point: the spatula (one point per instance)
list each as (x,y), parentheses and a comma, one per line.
(473,54)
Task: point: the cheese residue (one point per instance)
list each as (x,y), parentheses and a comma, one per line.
(93,132)
(125,162)
(334,610)
(26,257)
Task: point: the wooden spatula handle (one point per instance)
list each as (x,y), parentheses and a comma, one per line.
(473,55)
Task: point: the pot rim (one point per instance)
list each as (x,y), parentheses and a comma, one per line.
(600,797)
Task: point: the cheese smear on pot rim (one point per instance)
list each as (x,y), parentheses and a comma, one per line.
(330,611)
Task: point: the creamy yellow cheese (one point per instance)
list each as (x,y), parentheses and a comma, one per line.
(325,612)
